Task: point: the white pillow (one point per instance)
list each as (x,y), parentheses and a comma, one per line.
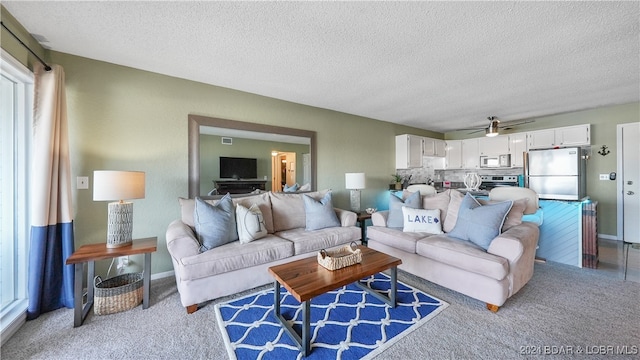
(250,223)
(422,220)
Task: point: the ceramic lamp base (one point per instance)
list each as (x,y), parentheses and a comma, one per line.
(355,200)
(120,224)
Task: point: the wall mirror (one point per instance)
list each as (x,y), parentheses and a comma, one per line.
(211,138)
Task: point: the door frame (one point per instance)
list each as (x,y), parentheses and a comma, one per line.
(620,182)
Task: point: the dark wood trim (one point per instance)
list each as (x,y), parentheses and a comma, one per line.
(195,121)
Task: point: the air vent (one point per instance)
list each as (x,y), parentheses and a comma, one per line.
(227,141)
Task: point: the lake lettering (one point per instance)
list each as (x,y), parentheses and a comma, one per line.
(423,219)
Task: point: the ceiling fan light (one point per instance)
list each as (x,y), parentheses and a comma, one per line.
(492,130)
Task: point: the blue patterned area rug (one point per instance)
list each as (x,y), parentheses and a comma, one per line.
(346,323)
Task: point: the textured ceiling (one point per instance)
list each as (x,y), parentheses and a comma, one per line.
(440,66)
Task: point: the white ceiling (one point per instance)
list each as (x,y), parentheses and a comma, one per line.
(440,66)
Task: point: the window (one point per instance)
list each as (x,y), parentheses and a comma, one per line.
(16,94)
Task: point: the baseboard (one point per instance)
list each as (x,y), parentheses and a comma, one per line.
(608,237)
(13,326)
(162,275)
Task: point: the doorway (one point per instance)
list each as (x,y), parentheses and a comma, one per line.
(628,186)
(283,170)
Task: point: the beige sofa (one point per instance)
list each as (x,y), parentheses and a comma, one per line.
(492,275)
(235,267)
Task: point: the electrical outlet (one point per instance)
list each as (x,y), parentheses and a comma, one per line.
(604,176)
(82,182)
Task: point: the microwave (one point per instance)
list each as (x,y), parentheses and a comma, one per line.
(496,161)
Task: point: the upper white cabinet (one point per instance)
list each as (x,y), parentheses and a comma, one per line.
(491,146)
(453,158)
(408,151)
(470,157)
(578,135)
(434,147)
(517,145)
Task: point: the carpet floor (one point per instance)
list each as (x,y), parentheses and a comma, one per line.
(562,309)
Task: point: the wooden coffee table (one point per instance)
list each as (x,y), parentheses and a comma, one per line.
(306,279)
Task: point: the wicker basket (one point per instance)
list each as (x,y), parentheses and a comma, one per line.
(119,293)
(337,259)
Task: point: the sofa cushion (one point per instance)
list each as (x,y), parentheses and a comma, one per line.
(262,200)
(504,193)
(316,240)
(292,188)
(234,256)
(215,224)
(319,213)
(250,223)
(514,216)
(422,220)
(288,209)
(395,219)
(437,201)
(396,238)
(449,221)
(464,255)
(480,224)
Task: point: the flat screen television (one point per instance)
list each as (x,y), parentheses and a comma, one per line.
(238,168)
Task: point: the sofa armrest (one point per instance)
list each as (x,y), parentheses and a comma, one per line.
(518,246)
(181,241)
(379,218)
(346,217)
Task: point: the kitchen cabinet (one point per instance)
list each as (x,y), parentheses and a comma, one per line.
(517,146)
(408,151)
(434,147)
(470,157)
(492,146)
(578,135)
(541,139)
(453,159)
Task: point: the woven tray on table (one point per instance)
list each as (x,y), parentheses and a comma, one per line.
(337,259)
(119,293)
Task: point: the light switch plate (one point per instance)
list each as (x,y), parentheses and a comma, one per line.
(604,176)
(82,182)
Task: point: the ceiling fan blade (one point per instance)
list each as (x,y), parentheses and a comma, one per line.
(510,125)
(477,130)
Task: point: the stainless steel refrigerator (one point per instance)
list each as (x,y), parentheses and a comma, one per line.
(557,173)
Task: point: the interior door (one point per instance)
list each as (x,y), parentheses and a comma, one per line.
(629,175)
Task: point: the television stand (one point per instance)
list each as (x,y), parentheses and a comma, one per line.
(239,186)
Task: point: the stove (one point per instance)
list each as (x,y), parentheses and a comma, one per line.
(492,181)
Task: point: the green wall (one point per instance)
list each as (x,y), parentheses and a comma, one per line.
(211,148)
(603,122)
(126,119)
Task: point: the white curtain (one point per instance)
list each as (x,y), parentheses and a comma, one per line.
(50,283)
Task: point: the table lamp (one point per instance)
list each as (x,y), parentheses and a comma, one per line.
(355,182)
(118,186)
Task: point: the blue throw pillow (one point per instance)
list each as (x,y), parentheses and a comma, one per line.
(396,218)
(320,214)
(215,224)
(292,188)
(480,224)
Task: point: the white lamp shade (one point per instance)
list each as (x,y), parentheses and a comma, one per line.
(354,180)
(117,185)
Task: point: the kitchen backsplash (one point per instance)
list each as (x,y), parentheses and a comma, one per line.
(428,173)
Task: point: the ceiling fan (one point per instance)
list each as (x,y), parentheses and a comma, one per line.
(495,125)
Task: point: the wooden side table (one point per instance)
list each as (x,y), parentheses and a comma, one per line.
(361,220)
(92,252)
